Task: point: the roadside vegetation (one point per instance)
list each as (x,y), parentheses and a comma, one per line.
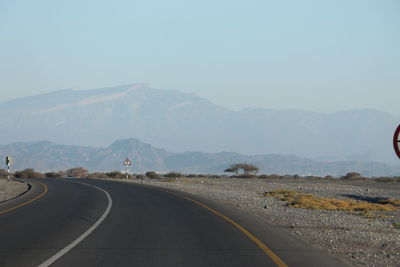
(3,174)
(240,170)
(243,170)
(309,201)
(28,173)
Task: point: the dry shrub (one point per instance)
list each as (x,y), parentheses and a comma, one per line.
(152,175)
(247,176)
(140,176)
(99,175)
(28,173)
(387,179)
(309,201)
(391,201)
(115,175)
(53,175)
(353,176)
(173,175)
(3,173)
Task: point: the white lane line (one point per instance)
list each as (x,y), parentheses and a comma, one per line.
(85,234)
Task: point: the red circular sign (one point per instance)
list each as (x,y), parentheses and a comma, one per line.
(396,141)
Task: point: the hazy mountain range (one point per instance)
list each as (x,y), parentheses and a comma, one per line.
(181,122)
(47,156)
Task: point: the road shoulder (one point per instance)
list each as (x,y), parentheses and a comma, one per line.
(35,191)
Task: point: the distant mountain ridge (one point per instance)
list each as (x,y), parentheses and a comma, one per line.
(182,122)
(47,156)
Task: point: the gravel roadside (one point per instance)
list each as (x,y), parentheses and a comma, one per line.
(12,189)
(359,240)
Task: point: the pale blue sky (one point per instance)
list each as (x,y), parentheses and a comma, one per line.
(315,55)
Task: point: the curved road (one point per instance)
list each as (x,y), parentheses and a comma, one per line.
(134,225)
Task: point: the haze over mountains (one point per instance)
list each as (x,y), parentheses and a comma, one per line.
(181,122)
(46,156)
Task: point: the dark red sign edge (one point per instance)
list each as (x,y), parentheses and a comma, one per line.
(396,141)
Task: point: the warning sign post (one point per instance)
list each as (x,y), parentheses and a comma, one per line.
(127,163)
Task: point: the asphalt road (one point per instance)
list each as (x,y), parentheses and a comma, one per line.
(76,224)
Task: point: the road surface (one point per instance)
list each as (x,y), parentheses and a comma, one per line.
(82,222)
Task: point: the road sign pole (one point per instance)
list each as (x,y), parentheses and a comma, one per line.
(8,163)
(8,173)
(127,163)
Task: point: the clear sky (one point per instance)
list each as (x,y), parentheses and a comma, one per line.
(317,55)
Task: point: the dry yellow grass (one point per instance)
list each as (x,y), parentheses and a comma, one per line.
(309,201)
(392,201)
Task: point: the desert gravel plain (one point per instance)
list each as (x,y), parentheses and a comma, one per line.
(369,239)
(12,189)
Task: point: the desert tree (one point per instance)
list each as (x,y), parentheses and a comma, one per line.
(245,167)
(233,168)
(249,168)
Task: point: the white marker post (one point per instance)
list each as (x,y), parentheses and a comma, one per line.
(127,163)
(8,163)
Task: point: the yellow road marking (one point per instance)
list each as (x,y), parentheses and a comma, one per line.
(278,261)
(29,201)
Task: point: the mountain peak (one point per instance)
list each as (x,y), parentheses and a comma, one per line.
(179,121)
(127,142)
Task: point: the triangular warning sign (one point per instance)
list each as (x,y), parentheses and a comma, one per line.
(127,162)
